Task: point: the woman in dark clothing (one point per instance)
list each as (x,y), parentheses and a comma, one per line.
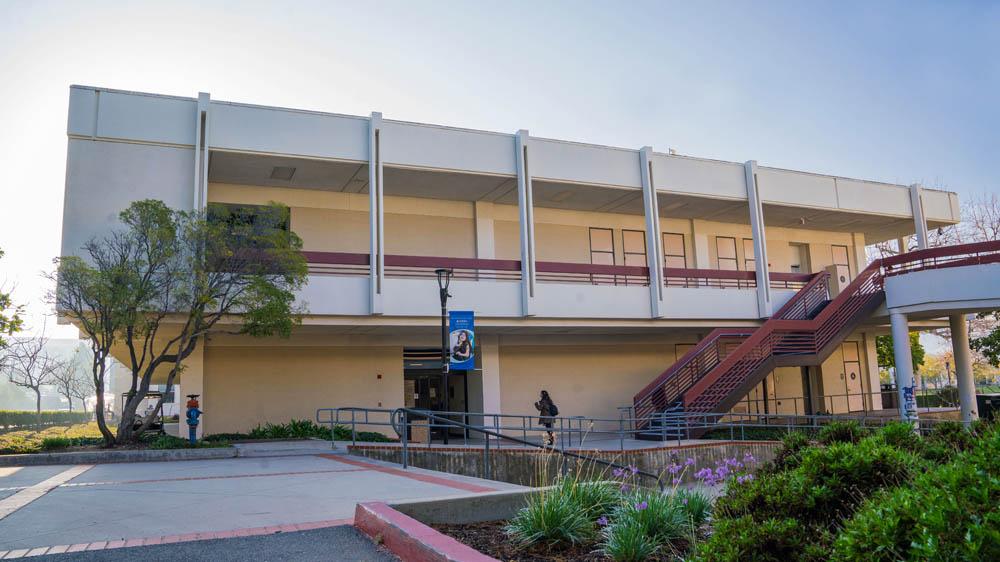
(547,410)
(463,348)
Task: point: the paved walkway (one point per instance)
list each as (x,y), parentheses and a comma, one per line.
(333,544)
(52,509)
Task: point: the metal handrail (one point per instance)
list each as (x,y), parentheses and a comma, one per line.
(401,427)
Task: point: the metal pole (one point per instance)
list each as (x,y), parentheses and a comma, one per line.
(406,439)
(486,458)
(444,353)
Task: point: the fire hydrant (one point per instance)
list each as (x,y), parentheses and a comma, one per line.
(193,413)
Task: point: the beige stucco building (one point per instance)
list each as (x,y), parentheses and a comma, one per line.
(591,269)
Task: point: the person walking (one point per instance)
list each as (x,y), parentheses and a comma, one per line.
(547,411)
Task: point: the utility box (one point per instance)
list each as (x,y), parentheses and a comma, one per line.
(989,406)
(838,282)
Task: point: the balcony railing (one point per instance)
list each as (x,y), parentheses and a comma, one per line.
(422,267)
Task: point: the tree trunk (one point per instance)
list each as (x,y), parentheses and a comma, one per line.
(38,404)
(102,424)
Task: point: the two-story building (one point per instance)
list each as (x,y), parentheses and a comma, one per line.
(591,269)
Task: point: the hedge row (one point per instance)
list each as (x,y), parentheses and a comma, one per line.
(25,418)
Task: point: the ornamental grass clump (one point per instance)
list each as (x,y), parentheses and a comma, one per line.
(553,518)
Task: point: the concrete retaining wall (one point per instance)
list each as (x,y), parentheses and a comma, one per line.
(528,467)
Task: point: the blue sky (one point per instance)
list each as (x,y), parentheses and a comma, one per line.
(895,91)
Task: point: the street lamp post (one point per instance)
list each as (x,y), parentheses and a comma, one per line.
(444,279)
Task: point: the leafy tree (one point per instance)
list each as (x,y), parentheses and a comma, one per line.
(988,345)
(156,287)
(10,317)
(886,359)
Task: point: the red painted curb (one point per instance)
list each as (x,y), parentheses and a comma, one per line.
(410,539)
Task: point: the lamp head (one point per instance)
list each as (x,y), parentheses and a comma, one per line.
(444,278)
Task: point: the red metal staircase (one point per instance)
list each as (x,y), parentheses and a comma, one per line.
(715,375)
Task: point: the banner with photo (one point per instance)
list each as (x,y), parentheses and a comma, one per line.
(462,340)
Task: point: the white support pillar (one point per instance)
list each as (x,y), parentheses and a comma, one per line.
(485,229)
(904,367)
(759,239)
(654,250)
(526,214)
(375,214)
(489,350)
(200,192)
(963,368)
(919,220)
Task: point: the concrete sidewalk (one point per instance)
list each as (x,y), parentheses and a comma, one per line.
(150,503)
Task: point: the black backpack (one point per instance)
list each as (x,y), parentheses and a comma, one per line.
(553,409)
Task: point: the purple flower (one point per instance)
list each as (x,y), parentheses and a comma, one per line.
(674,468)
(684,501)
(741,479)
(677,481)
(748,458)
(633,468)
(625,488)
(618,472)
(641,505)
(602,521)
(689,461)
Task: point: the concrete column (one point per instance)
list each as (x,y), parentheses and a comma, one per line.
(759,239)
(489,350)
(919,220)
(485,238)
(201,144)
(654,249)
(963,368)
(904,366)
(375,213)
(526,215)
(700,243)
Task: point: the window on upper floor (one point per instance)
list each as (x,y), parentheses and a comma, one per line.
(674,252)
(726,253)
(634,247)
(749,255)
(602,246)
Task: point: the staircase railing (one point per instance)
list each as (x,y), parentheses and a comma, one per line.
(787,341)
(711,350)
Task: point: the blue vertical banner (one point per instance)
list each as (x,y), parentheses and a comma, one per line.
(462,339)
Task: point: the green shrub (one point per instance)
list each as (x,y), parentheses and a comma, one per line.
(790,454)
(696,504)
(662,516)
(745,539)
(50,443)
(595,499)
(951,512)
(27,418)
(627,541)
(551,518)
(900,435)
(172,442)
(306,429)
(840,432)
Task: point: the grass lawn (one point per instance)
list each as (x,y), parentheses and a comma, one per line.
(34,440)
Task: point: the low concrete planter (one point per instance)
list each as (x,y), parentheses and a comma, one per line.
(410,539)
(114,456)
(403,527)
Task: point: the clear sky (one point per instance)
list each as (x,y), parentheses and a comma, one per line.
(895,91)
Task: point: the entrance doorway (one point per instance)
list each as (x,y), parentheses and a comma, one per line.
(423,384)
(852,377)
